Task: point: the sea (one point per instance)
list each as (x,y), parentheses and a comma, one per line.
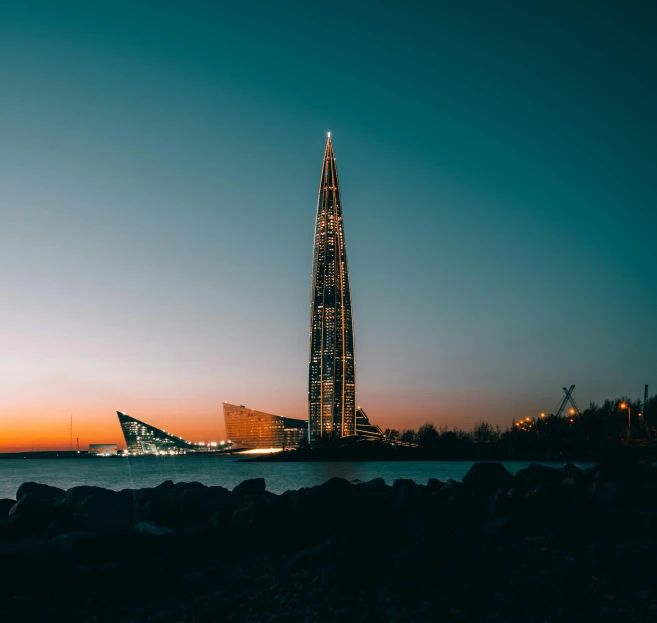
(226,471)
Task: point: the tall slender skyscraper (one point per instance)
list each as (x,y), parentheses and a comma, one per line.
(332,378)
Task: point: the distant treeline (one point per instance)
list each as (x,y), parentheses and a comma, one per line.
(594,432)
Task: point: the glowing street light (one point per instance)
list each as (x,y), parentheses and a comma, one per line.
(624,405)
(542,414)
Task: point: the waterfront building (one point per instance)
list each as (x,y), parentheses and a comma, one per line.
(103,449)
(248,428)
(366,429)
(332,361)
(142,438)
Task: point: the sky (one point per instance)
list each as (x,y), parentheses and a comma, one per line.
(159,167)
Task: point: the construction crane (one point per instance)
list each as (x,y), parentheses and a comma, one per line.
(568,398)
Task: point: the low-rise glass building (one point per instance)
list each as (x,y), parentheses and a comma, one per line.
(248,428)
(142,438)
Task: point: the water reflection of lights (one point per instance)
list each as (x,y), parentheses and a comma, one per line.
(261,451)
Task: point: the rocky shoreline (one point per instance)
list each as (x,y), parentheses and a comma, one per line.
(544,545)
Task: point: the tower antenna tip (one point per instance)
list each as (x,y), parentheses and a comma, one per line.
(329,134)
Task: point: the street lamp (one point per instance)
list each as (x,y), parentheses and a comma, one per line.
(624,405)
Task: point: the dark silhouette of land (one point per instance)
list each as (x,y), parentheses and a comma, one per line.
(544,545)
(599,432)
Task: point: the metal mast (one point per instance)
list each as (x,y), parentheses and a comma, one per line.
(568,398)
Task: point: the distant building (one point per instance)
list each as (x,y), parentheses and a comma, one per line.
(103,449)
(248,428)
(365,429)
(142,438)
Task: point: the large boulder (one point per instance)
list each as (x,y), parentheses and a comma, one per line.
(450,489)
(253,520)
(198,503)
(105,512)
(148,528)
(618,485)
(334,488)
(43,492)
(533,476)
(5,506)
(408,496)
(68,502)
(374,485)
(549,498)
(70,545)
(575,479)
(250,487)
(487,478)
(31,512)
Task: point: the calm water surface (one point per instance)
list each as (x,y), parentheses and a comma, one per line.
(138,472)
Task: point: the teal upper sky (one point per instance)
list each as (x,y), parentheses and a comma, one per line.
(158,180)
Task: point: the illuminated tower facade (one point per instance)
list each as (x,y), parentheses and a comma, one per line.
(332,378)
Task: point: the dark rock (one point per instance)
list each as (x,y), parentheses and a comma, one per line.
(105,512)
(150,529)
(619,485)
(533,476)
(548,498)
(564,550)
(334,487)
(575,478)
(69,501)
(499,504)
(488,478)
(408,496)
(318,554)
(250,487)
(376,484)
(186,502)
(43,492)
(450,488)
(30,512)
(404,483)
(68,544)
(494,526)
(434,484)
(251,519)
(5,506)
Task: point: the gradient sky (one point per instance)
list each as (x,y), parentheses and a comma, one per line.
(159,165)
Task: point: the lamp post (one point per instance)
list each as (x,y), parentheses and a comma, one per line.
(624,405)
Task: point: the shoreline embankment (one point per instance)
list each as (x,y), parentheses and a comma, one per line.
(545,544)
